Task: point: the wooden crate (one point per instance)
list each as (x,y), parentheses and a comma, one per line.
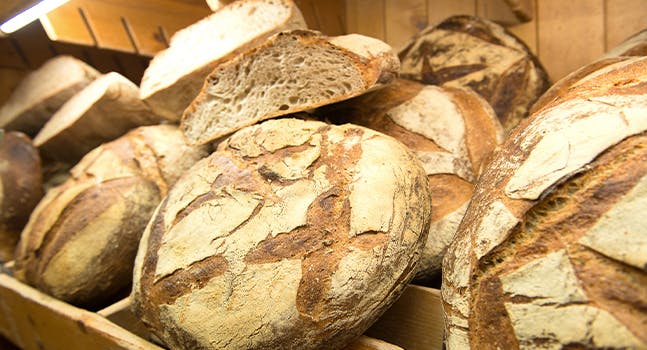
(33,320)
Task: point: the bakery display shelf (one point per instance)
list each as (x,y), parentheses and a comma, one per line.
(33,320)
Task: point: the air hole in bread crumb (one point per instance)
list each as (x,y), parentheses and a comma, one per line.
(293,99)
(298,60)
(283,107)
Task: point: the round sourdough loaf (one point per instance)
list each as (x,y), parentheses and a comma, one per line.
(20,188)
(552,252)
(292,235)
(471,52)
(80,242)
(451,130)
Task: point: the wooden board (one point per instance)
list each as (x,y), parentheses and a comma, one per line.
(366,17)
(570,34)
(623,19)
(439,10)
(33,320)
(414,322)
(142,26)
(403,20)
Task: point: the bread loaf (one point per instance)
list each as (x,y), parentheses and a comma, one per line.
(467,51)
(20,188)
(104,110)
(176,74)
(81,240)
(292,235)
(43,92)
(451,130)
(291,72)
(552,251)
(635,45)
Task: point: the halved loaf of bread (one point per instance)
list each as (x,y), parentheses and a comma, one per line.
(43,92)
(103,111)
(176,74)
(292,71)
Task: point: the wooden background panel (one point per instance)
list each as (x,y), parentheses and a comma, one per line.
(623,18)
(439,10)
(403,19)
(527,31)
(570,34)
(366,17)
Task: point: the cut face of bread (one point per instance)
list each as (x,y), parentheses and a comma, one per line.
(176,74)
(43,92)
(291,72)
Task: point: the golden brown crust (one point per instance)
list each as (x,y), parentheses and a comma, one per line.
(81,240)
(283,221)
(556,212)
(20,188)
(450,129)
(471,52)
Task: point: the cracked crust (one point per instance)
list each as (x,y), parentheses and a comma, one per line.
(470,52)
(556,213)
(293,234)
(451,131)
(80,243)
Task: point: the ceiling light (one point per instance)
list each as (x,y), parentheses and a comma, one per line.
(29,15)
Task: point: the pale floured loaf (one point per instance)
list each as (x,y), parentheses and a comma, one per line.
(292,235)
(104,110)
(472,52)
(176,74)
(291,72)
(552,252)
(81,240)
(20,188)
(451,130)
(43,92)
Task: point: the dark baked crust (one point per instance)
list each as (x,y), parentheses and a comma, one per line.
(472,52)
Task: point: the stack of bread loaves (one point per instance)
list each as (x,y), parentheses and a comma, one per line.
(80,242)
(451,130)
(43,92)
(552,252)
(475,53)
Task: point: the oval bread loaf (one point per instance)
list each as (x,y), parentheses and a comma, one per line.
(291,72)
(104,110)
(20,188)
(451,131)
(467,51)
(43,92)
(292,235)
(552,252)
(81,240)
